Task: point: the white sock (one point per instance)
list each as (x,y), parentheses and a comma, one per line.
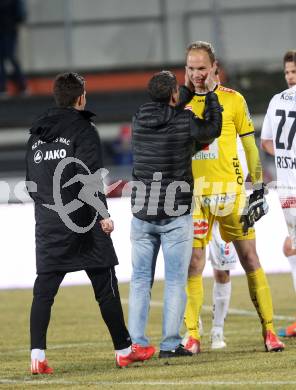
(38,354)
(124,352)
(292,261)
(200,326)
(221,300)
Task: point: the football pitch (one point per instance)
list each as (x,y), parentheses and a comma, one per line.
(80,349)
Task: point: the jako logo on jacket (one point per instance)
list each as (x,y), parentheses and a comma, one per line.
(49,155)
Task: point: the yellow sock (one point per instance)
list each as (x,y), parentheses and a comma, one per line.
(195,294)
(261,297)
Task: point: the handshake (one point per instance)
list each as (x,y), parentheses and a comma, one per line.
(255,208)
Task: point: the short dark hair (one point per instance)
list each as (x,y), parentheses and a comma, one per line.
(67,88)
(202,45)
(161,86)
(290,56)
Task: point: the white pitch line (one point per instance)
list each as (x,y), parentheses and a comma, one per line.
(145,383)
(57,346)
(96,344)
(250,313)
(239,312)
(247,313)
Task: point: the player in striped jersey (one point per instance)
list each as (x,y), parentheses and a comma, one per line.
(278,139)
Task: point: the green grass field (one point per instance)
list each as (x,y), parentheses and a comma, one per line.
(80,349)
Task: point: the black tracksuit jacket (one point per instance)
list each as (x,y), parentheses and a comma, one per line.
(57,134)
(163,139)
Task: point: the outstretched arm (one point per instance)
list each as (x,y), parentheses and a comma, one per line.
(204,131)
(186,95)
(253,158)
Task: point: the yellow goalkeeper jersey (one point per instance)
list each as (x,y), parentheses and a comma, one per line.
(216,169)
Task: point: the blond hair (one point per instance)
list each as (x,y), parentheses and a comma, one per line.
(201,45)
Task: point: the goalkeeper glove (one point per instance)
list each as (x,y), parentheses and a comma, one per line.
(256,207)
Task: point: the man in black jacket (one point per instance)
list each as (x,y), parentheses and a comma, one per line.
(12,13)
(63,163)
(163,138)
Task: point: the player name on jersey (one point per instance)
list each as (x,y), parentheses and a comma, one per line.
(280,126)
(285,162)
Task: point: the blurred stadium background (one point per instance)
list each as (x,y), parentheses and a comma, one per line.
(117,45)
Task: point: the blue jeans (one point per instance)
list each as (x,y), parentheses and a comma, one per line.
(175,237)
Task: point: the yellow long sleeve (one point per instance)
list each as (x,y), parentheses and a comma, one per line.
(253,158)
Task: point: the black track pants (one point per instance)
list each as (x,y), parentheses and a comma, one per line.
(105,287)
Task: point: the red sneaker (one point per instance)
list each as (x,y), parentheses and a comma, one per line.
(192,345)
(138,354)
(272,343)
(38,367)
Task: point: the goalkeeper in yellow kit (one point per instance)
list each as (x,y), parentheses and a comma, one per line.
(219,195)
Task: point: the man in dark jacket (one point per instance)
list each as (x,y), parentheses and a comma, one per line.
(163,138)
(63,163)
(12,13)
